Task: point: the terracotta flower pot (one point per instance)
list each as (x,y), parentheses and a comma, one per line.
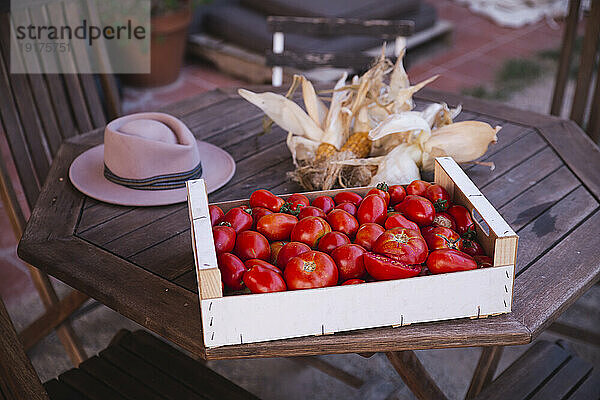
(167,47)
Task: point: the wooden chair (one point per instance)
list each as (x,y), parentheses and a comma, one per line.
(546,371)
(38,112)
(135,365)
(587,64)
(278,58)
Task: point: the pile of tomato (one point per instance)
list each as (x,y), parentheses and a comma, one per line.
(394,232)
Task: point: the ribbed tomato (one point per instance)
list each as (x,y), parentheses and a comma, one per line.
(438,196)
(215,214)
(224,239)
(239,218)
(449,260)
(397,220)
(276,226)
(309,230)
(264,198)
(262,263)
(325,203)
(417,188)
(441,238)
(382,190)
(312,269)
(471,247)
(397,194)
(372,209)
(261,279)
(351,197)
(367,235)
(232,270)
(464,223)
(445,220)
(289,251)
(331,241)
(295,203)
(342,221)
(404,245)
(250,244)
(349,261)
(311,211)
(384,268)
(417,209)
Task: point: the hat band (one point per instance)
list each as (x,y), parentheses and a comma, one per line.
(159,182)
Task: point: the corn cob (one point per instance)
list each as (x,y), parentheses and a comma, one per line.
(358,144)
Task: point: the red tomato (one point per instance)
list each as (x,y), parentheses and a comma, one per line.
(418,209)
(349,261)
(295,203)
(484,261)
(250,244)
(224,239)
(367,234)
(261,279)
(298,198)
(289,251)
(311,211)
(239,218)
(325,203)
(350,208)
(353,282)
(350,197)
(445,220)
(397,194)
(438,196)
(382,190)
(449,260)
(309,230)
(275,249)
(384,268)
(312,269)
(417,188)
(232,269)
(464,222)
(471,247)
(404,245)
(264,198)
(332,240)
(372,209)
(397,220)
(441,238)
(342,221)
(215,214)
(258,213)
(276,226)
(254,262)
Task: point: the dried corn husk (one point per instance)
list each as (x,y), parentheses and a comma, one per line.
(370,117)
(464,141)
(285,113)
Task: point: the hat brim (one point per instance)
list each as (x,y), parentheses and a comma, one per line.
(87,175)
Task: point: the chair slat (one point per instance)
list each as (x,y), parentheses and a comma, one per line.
(593,128)
(566,52)
(384,29)
(589,388)
(84,383)
(586,67)
(59,391)
(574,371)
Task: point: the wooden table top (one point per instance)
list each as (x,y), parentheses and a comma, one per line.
(139,261)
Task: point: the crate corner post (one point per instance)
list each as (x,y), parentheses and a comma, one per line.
(205,257)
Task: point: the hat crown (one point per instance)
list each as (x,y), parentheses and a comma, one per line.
(149,129)
(145,145)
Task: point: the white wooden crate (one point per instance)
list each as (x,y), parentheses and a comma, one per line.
(260,317)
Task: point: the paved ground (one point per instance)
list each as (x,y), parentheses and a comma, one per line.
(479,48)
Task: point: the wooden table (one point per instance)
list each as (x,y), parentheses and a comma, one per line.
(139,262)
